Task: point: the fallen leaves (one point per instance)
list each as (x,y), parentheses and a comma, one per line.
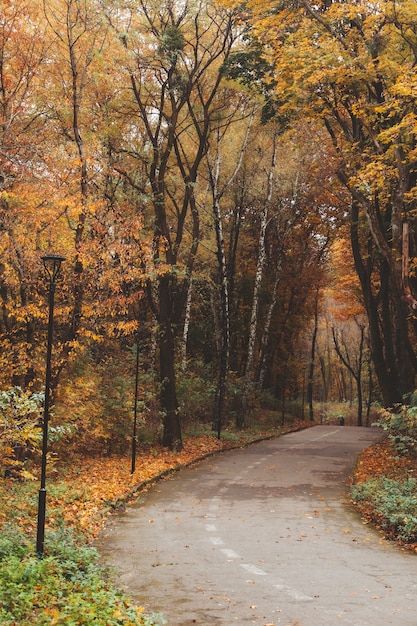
(85,490)
(109,483)
(82,491)
(378,461)
(381,459)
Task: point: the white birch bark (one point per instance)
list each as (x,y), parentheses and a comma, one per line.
(282,230)
(217,194)
(186,326)
(267,327)
(257,288)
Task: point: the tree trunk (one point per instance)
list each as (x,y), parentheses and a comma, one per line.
(356,372)
(172,428)
(260,370)
(387,379)
(310,380)
(186,327)
(224,316)
(226,272)
(224,323)
(240,418)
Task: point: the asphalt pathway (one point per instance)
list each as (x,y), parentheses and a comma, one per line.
(264,536)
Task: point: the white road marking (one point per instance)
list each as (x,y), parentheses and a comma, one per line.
(297,595)
(231,554)
(252,569)
(304,443)
(216,541)
(333,432)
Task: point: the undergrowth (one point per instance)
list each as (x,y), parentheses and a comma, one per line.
(385,489)
(393,504)
(66,586)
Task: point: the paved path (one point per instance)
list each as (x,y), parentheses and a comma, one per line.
(263,536)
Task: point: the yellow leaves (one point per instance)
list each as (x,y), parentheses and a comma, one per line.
(52,613)
(91,335)
(125,327)
(380,460)
(109,481)
(29,312)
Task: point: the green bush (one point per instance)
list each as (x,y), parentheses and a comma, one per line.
(20,416)
(401,427)
(394,504)
(67,586)
(196,391)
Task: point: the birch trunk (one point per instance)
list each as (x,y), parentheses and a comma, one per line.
(224,335)
(240,419)
(260,377)
(224,300)
(186,327)
(310,380)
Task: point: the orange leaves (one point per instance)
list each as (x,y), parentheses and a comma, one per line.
(93,486)
(381,460)
(84,490)
(383,492)
(345,299)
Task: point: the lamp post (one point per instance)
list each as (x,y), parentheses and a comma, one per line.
(52,264)
(135,412)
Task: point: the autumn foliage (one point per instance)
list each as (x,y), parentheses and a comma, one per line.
(385,492)
(234,191)
(130,146)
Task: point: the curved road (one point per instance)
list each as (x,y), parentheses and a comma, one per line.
(263,536)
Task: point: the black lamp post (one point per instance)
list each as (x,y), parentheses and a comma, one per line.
(135,413)
(52,263)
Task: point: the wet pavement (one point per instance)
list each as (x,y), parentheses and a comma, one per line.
(264,536)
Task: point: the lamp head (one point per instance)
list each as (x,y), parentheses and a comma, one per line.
(52,264)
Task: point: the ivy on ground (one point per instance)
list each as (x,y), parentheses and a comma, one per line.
(67,586)
(385,491)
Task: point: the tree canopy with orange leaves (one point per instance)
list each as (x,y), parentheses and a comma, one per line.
(351,65)
(136,140)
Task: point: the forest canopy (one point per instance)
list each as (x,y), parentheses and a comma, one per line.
(233,187)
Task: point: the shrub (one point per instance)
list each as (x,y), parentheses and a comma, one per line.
(20,417)
(394,505)
(67,586)
(196,391)
(401,427)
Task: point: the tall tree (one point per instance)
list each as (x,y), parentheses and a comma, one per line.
(77,38)
(254,321)
(173,54)
(352,65)
(352,361)
(220,179)
(22,149)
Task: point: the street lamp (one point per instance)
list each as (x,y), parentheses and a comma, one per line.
(135,412)
(52,264)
